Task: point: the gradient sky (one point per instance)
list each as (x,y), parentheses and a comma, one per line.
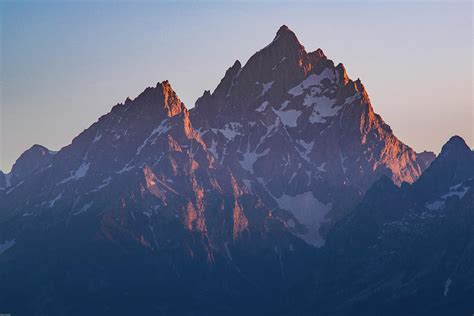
(64,64)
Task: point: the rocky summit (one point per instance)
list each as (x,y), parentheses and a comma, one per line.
(302,135)
(281,192)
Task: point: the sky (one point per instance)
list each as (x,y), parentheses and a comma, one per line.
(63,64)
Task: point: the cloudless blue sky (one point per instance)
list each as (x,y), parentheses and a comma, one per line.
(64,64)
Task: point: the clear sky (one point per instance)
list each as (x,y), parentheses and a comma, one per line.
(65,63)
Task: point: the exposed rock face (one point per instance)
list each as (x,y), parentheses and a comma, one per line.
(409,249)
(240,220)
(425,159)
(295,127)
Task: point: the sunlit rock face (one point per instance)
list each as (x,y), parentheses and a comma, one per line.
(301,134)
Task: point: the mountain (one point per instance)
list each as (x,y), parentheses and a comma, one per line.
(138,204)
(404,250)
(454,164)
(281,192)
(302,135)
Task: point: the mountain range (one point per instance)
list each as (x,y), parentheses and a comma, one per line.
(281,192)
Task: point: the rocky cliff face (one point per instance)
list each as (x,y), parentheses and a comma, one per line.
(301,134)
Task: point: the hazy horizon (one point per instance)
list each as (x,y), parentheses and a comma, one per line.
(64,65)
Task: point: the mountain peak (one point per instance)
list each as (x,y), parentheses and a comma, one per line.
(173,104)
(453,165)
(284,29)
(161,98)
(456,140)
(455,145)
(32,159)
(236,65)
(35,151)
(286,36)
(165,85)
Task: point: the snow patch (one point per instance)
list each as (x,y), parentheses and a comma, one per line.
(148,213)
(262,107)
(435,206)
(126,168)
(162,128)
(307,148)
(313,80)
(322,167)
(265,87)
(284,104)
(213,149)
(4,246)
(292,177)
(288,117)
(81,172)
(323,108)
(455,191)
(84,208)
(16,186)
(447,285)
(247,184)
(53,201)
(230,130)
(342,159)
(97,137)
(250,158)
(276,66)
(309,211)
(104,183)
